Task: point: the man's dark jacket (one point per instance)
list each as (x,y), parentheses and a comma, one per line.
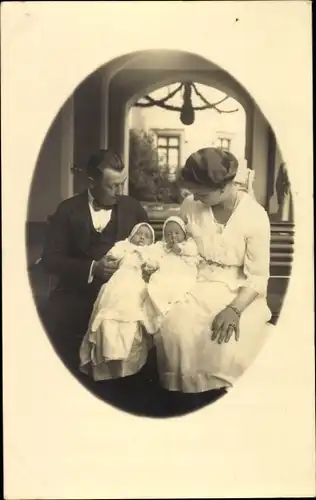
(73,243)
(71,246)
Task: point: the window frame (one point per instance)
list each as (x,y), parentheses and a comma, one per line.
(228,140)
(168,134)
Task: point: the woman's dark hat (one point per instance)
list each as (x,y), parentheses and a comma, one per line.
(211,167)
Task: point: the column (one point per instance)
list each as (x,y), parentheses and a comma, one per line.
(104,125)
(126,146)
(67,150)
(260,157)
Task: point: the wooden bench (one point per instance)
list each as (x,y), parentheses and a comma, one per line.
(281,255)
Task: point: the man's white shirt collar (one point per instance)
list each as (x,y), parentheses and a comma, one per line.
(100,218)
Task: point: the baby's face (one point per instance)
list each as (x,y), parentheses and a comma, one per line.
(173,233)
(143,236)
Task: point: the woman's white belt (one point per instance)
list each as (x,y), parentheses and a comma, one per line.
(219,264)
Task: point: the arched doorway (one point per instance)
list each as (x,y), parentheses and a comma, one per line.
(152,70)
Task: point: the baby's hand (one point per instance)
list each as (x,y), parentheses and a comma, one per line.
(148,267)
(176,249)
(147,271)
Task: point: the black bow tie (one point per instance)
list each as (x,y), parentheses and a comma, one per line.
(99,206)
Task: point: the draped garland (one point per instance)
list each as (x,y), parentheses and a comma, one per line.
(187,109)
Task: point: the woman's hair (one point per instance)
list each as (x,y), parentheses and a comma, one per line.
(104,158)
(210,167)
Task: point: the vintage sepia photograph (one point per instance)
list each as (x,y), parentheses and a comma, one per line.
(160,232)
(157,192)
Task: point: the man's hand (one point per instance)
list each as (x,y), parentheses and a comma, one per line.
(104,268)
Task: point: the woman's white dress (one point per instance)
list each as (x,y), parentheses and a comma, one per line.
(114,344)
(238,255)
(174,278)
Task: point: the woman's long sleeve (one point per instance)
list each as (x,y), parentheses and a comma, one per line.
(185,208)
(257,256)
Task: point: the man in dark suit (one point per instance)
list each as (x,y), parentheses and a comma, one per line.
(82,231)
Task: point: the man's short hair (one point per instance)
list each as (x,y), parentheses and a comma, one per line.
(104,158)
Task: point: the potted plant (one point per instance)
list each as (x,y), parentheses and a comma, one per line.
(148,182)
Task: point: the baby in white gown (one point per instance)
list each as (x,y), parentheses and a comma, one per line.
(175,259)
(114,321)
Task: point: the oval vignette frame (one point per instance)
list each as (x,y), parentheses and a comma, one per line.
(109,129)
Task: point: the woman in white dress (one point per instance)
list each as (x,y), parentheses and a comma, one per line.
(208,340)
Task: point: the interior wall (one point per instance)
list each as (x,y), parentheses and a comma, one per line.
(87,125)
(78,130)
(117,117)
(45,193)
(260,157)
(67,149)
(104,119)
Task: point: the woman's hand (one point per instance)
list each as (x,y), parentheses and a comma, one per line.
(225,324)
